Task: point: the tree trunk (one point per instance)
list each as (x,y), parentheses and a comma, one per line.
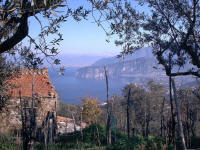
(32,112)
(108,130)
(81,124)
(74,122)
(173,123)
(162,117)
(25,134)
(147,126)
(23,123)
(108,125)
(180,128)
(98,137)
(128,114)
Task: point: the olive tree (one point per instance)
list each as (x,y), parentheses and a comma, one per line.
(16,17)
(170,27)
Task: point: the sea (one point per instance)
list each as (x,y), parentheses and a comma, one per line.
(72,89)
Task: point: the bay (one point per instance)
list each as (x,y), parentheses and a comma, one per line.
(72,89)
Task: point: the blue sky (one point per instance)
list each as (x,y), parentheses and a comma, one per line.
(81,38)
(86,37)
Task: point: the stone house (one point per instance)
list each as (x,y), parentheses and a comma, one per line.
(68,125)
(29,90)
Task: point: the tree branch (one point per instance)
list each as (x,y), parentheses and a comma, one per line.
(197,74)
(20,34)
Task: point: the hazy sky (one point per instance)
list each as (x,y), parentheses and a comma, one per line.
(81,38)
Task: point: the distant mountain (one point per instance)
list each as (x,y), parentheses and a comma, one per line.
(138,64)
(144,52)
(139,68)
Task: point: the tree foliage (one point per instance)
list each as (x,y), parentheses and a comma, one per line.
(170,27)
(145,106)
(7,69)
(189,111)
(150,111)
(49,14)
(91,110)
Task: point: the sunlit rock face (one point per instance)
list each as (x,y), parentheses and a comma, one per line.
(26,86)
(137,70)
(140,68)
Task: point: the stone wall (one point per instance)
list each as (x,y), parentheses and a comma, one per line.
(10,116)
(68,125)
(30,83)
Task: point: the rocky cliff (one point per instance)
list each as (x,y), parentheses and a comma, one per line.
(133,69)
(140,67)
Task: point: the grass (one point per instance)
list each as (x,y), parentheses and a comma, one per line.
(74,141)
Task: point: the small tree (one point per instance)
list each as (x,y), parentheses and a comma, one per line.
(91,110)
(91,113)
(140,106)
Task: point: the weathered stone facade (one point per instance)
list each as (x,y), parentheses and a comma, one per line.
(30,87)
(68,125)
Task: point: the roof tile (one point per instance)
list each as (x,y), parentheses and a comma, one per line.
(42,86)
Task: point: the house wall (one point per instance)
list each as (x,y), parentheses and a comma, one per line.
(10,116)
(28,82)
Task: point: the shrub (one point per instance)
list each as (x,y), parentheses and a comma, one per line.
(195,142)
(138,142)
(7,142)
(74,140)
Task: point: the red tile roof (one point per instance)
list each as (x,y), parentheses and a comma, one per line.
(23,82)
(63,119)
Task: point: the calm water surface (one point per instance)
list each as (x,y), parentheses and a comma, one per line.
(71,89)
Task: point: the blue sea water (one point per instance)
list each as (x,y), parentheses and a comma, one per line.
(72,89)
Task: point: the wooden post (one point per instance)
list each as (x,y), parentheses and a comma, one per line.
(107,90)
(180,127)
(74,122)
(108,124)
